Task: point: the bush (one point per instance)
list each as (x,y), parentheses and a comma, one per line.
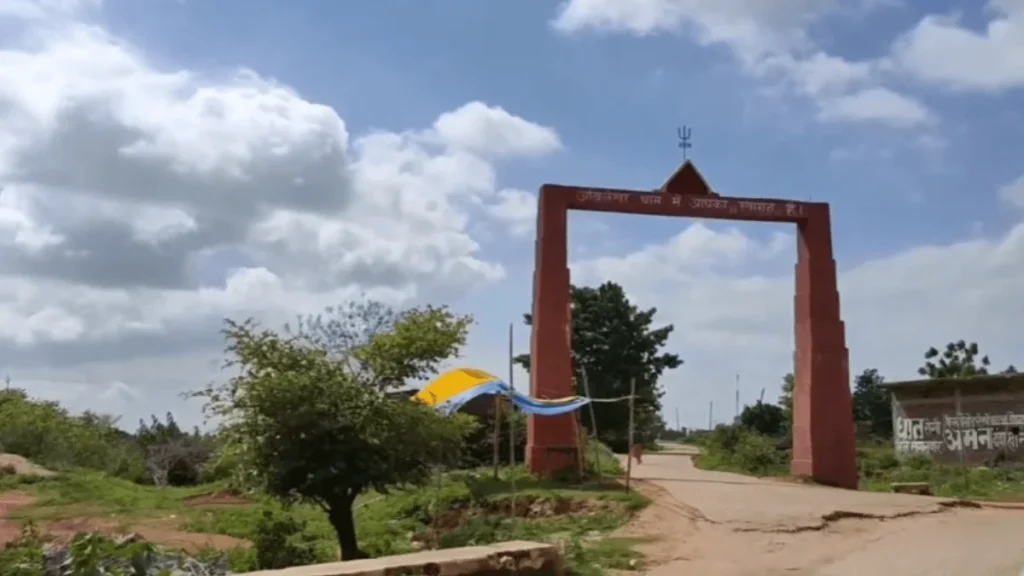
(739,449)
(478,449)
(47,434)
(281,541)
(757,454)
(765,419)
(601,461)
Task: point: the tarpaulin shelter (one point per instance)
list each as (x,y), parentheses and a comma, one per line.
(453,389)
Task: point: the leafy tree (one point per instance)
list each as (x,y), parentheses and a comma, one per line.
(382,347)
(765,419)
(48,434)
(173,457)
(613,342)
(871,403)
(157,432)
(958,360)
(786,398)
(307,427)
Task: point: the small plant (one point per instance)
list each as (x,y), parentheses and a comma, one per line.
(24,556)
(281,541)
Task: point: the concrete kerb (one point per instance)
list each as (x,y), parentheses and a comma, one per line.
(524,558)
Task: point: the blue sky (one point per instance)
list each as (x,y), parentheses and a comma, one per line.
(772,115)
(616,102)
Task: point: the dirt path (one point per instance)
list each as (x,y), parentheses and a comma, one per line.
(9,502)
(718,524)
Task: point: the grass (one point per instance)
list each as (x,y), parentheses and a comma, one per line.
(462,509)
(879,468)
(737,450)
(744,452)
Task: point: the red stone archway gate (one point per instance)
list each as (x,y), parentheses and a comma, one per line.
(823,429)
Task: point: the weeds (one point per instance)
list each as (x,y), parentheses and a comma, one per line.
(463,508)
(738,449)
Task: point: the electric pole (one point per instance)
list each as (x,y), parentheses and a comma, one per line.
(737,397)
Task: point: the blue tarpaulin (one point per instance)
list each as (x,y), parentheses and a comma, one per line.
(532,406)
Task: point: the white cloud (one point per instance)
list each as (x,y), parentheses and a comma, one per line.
(770,40)
(729,321)
(139,206)
(752,27)
(45,9)
(493,131)
(876,104)
(1013,193)
(942,50)
(518,209)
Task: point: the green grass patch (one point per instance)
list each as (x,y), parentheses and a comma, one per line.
(879,467)
(461,509)
(87,492)
(744,452)
(602,462)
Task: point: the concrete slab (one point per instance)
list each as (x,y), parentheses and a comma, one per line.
(525,558)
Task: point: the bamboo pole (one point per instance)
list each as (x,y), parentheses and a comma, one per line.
(579,444)
(497,434)
(629,458)
(511,424)
(593,424)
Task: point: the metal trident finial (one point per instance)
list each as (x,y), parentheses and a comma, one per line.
(684,139)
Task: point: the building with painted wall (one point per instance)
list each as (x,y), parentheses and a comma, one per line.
(975,421)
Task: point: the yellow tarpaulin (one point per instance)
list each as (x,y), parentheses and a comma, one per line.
(451,383)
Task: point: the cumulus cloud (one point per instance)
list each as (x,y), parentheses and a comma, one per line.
(730,321)
(140,205)
(1013,193)
(493,131)
(770,39)
(943,50)
(518,209)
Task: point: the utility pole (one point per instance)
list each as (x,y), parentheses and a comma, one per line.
(737,396)
(711,411)
(679,428)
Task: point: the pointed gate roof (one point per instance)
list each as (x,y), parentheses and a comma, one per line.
(687,180)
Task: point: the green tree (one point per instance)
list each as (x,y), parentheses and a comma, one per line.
(786,397)
(307,427)
(958,360)
(613,342)
(48,434)
(765,419)
(871,403)
(173,456)
(382,347)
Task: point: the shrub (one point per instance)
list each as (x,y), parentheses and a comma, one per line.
(478,449)
(281,541)
(766,419)
(756,454)
(49,435)
(739,449)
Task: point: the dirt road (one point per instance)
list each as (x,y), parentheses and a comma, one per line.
(718,524)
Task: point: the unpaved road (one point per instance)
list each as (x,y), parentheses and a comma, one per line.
(719,524)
